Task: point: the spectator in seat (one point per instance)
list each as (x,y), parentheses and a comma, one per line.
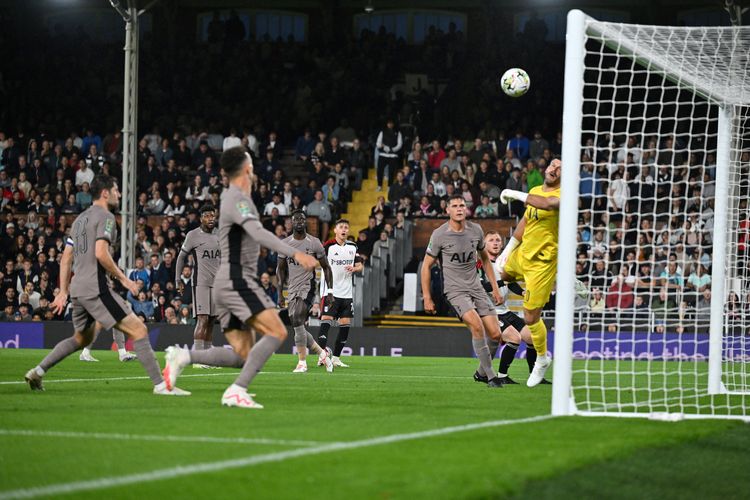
(620,293)
(277,204)
(140,273)
(197,190)
(305,145)
(663,302)
(357,164)
(398,189)
(155,205)
(537,145)
(485,210)
(271,291)
(322,210)
(268,166)
(331,191)
(597,302)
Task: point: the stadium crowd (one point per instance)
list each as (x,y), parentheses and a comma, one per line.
(645,230)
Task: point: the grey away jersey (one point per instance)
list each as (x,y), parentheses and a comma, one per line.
(300,282)
(205,250)
(89,277)
(457,252)
(240,237)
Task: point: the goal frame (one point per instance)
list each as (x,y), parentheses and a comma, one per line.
(563,402)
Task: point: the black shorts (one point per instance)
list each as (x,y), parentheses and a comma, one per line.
(511,319)
(341,308)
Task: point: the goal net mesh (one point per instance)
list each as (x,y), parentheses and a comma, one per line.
(650,139)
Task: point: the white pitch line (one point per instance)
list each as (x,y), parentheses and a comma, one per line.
(234,373)
(153,437)
(188,470)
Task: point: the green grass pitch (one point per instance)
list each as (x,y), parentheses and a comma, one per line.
(361,432)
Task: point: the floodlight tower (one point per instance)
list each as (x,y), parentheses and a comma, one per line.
(130,15)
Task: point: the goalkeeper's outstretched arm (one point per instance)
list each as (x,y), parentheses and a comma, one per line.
(536,201)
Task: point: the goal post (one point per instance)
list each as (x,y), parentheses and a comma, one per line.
(658,120)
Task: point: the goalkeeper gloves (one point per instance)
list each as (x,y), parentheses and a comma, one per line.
(509,194)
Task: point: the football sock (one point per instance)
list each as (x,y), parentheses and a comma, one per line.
(539,336)
(119,338)
(530,357)
(506,357)
(217,356)
(142,348)
(199,345)
(62,350)
(492,345)
(258,356)
(341,340)
(325,325)
(312,346)
(483,353)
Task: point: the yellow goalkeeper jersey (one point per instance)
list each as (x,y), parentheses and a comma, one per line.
(540,235)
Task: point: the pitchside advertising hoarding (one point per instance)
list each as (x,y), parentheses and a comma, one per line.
(449,342)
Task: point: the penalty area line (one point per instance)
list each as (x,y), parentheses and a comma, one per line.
(199,468)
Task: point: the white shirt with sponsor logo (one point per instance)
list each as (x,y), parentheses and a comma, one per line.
(340,256)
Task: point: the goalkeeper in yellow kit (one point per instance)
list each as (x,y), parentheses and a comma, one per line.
(535,259)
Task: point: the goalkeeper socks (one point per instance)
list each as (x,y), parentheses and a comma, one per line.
(258,356)
(325,325)
(530,356)
(146,356)
(539,336)
(62,350)
(341,340)
(483,353)
(217,356)
(506,357)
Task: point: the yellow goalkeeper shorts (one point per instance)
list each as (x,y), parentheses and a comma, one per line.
(539,277)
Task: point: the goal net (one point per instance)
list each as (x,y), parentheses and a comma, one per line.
(655,222)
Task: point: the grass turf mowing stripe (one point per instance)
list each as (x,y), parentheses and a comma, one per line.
(187,470)
(233,373)
(152,437)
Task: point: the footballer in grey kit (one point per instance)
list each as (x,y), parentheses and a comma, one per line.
(458,244)
(203,244)
(93,301)
(301,289)
(240,301)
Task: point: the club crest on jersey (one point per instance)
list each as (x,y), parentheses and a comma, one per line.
(463,257)
(243,208)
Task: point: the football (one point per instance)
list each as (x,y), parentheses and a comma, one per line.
(515,82)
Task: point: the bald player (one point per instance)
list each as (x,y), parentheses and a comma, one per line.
(301,289)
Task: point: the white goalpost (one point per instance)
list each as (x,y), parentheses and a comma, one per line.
(655,220)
